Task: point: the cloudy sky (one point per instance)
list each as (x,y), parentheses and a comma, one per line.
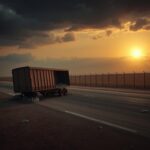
(85,36)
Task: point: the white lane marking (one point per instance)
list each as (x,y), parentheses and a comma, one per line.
(102,122)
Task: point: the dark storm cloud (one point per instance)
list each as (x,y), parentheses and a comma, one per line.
(21,20)
(44,38)
(108,32)
(15,58)
(140,24)
(68,37)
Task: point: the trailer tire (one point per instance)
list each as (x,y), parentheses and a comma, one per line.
(60,93)
(65,91)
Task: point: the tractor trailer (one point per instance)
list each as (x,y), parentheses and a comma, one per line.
(30,80)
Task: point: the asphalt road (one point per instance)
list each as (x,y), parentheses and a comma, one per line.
(124,111)
(127,110)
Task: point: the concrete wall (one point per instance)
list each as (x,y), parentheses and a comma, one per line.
(125,80)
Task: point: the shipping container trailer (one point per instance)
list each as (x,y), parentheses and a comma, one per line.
(30,80)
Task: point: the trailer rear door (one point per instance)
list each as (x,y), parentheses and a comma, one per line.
(62,77)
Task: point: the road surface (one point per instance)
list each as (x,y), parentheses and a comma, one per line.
(120,110)
(125,111)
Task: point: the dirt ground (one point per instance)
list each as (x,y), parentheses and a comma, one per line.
(33,127)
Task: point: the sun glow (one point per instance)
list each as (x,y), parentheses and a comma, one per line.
(137,53)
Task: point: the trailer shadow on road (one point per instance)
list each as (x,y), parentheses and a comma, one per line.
(18,100)
(10,101)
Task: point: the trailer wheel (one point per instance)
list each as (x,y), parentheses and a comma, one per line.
(60,93)
(64,91)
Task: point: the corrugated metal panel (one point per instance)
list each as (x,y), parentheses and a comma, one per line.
(47,78)
(36,82)
(39,79)
(48,81)
(28,79)
(33,78)
(42,79)
(49,75)
(53,79)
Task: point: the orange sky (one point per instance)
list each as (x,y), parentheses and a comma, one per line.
(87,50)
(119,44)
(83,36)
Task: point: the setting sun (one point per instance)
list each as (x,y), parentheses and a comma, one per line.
(137,53)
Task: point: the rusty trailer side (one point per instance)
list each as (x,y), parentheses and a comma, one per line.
(42,79)
(33,79)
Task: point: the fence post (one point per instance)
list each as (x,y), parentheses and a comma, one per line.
(144,79)
(84,80)
(75,81)
(108,80)
(90,79)
(95,80)
(134,80)
(124,80)
(116,79)
(102,81)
